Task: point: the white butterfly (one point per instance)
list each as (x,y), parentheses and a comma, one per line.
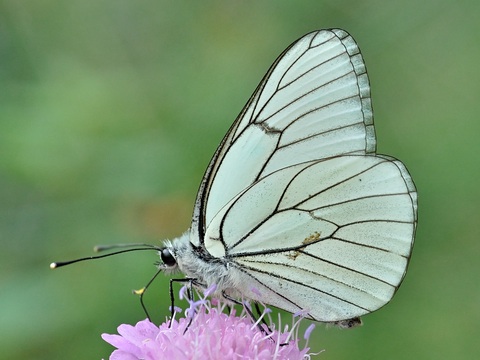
(296,209)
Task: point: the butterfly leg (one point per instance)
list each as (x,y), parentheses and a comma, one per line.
(141,292)
(262,318)
(172,295)
(250,313)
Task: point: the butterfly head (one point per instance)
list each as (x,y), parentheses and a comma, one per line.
(168,263)
(167,258)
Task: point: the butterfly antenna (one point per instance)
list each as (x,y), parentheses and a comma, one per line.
(100,248)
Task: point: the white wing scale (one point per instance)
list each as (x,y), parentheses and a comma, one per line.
(296,202)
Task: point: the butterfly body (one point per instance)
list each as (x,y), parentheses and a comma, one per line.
(296,209)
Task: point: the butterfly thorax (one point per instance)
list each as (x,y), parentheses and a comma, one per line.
(204,269)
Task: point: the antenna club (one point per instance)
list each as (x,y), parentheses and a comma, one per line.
(127,248)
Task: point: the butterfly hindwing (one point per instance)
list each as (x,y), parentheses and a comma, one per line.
(332,237)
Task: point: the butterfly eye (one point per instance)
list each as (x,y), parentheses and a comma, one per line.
(168,258)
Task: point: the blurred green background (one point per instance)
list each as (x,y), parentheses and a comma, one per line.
(111,110)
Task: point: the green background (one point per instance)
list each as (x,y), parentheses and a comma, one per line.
(111,110)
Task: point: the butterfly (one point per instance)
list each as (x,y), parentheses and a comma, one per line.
(296,209)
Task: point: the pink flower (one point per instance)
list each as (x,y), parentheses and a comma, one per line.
(207,334)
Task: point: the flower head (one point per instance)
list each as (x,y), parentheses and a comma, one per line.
(206,332)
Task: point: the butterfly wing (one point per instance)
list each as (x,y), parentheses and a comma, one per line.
(295,197)
(330,237)
(313,103)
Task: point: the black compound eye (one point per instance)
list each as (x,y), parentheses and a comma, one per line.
(168,258)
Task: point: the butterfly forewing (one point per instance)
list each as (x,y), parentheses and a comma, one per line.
(296,199)
(313,103)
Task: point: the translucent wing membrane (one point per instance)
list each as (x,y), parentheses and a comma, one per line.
(295,198)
